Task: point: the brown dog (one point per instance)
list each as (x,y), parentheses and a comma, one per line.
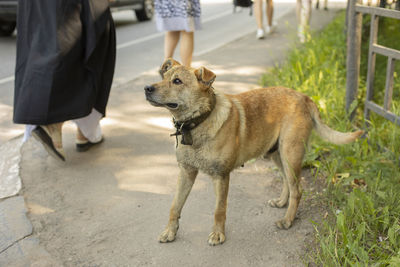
(217,133)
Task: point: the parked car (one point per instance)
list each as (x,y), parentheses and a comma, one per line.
(8,17)
(144,9)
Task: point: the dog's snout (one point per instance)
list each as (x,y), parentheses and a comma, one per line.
(149,89)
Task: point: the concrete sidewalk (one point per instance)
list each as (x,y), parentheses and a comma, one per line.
(107,207)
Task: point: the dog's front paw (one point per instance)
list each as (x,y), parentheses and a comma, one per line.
(283,224)
(277,203)
(216,238)
(167,236)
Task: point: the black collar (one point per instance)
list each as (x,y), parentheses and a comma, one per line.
(184,127)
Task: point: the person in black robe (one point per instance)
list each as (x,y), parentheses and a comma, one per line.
(64,69)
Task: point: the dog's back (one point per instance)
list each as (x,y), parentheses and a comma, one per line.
(272,107)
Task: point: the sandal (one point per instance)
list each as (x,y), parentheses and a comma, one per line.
(82,147)
(43,135)
(82,143)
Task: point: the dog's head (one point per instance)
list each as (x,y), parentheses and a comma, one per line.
(185,92)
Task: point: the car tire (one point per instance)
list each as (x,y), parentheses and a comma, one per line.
(147,12)
(7,27)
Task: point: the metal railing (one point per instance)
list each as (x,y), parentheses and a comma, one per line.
(355,13)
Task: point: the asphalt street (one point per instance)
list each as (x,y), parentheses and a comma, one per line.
(140,48)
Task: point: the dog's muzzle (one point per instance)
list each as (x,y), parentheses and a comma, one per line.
(149,89)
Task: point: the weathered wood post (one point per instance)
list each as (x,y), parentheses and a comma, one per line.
(353,53)
(373,39)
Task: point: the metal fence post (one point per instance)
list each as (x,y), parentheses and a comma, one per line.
(353,54)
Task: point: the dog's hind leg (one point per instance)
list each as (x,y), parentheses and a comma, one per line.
(186,180)
(292,167)
(292,149)
(221,187)
(283,199)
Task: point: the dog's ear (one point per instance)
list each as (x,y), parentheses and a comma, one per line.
(205,76)
(167,65)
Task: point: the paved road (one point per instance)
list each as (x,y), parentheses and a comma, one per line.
(140,48)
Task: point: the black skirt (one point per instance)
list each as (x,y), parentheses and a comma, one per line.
(65,60)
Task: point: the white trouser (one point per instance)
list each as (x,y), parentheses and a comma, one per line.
(303,18)
(89,126)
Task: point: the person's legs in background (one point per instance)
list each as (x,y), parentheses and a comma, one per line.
(170,43)
(186,47)
(303,12)
(258,13)
(270,15)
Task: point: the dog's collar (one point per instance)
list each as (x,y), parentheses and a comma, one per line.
(184,127)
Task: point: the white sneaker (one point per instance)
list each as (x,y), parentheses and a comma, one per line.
(271,29)
(260,34)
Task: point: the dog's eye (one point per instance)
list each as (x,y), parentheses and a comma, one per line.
(177,81)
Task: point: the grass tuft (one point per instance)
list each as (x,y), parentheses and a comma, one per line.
(362,179)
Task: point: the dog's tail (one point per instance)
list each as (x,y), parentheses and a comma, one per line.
(328,133)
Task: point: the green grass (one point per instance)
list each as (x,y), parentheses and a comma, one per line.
(362,179)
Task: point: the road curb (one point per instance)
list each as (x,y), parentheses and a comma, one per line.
(10,156)
(17,246)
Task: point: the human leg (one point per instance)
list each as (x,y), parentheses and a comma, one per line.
(170,42)
(271,25)
(50,136)
(258,13)
(270,12)
(259,18)
(186,47)
(303,11)
(89,131)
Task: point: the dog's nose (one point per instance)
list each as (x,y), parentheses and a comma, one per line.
(149,89)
